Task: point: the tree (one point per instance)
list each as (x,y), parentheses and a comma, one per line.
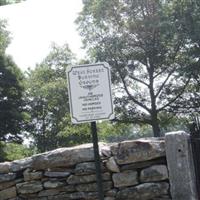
(4,37)
(11,90)
(116,132)
(5,2)
(11,105)
(187,16)
(47,100)
(142,43)
(14,151)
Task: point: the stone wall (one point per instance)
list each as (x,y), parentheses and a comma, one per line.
(130,170)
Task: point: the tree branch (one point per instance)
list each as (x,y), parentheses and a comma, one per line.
(159,73)
(131,96)
(173,100)
(139,80)
(165,81)
(133,120)
(172,57)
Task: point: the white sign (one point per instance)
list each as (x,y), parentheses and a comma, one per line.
(90,93)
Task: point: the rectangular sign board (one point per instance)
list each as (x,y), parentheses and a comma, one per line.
(90,93)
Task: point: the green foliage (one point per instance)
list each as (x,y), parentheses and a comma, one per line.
(5,2)
(186,14)
(17,151)
(11,105)
(47,100)
(115,132)
(4,36)
(14,151)
(74,134)
(147,50)
(11,91)
(2,152)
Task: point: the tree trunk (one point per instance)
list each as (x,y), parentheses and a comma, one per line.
(154,113)
(156,130)
(155,126)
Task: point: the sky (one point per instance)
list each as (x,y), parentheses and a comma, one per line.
(35,24)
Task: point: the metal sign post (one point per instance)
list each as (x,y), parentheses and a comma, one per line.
(91,100)
(97,161)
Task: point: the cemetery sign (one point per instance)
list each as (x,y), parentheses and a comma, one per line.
(90,93)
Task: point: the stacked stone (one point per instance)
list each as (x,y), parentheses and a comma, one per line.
(142,171)
(130,170)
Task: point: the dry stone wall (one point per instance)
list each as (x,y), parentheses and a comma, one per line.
(130,170)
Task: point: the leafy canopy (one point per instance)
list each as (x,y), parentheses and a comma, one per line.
(142,42)
(5,2)
(11,91)
(11,94)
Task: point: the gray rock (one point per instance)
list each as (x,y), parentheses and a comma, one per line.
(138,150)
(41,198)
(5,167)
(181,166)
(145,191)
(68,188)
(92,187)
(64,157)
(148,163)
(111,193)
(154,173)
(5,185)
(112,165)
(29,187)
(8,193)
(126,178)
(34,198)
(56,174)
(50,192)
(75,195)
(28,196)
(60,169)
(19,165)
(164,197)
(84,195)
(73,179)
(59,197)
(29,175)
(54,184)
(7,177)
(109,198)
(105,150)
(87,168)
